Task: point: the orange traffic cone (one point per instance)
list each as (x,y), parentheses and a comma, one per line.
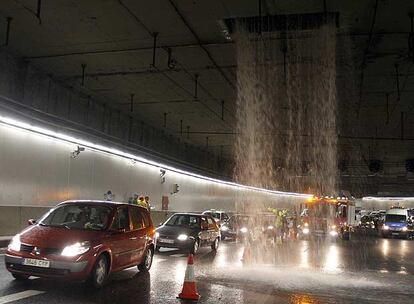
(189,291)
(247,254)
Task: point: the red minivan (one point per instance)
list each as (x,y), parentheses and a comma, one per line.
(83,240)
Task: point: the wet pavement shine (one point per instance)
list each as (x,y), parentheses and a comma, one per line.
(371,270)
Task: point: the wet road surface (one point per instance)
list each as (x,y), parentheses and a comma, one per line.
(371,270)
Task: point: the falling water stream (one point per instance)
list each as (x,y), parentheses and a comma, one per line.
(286,110)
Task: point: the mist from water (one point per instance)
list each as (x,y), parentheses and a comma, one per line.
(286,110)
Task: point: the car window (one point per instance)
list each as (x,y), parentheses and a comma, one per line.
(147,221)
(215,215)
(121,220)
(204,222)
(78,216)
(136,218)
(211,224)
(184,220)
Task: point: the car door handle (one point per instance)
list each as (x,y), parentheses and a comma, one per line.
(133,238)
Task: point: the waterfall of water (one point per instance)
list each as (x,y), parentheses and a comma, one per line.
(286,110)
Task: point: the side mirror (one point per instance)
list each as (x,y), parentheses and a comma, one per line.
(31,222)
(160,224)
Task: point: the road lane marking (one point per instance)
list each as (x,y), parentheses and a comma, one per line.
(20,295)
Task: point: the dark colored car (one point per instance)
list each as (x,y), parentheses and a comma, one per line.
(237,227)
(368,222)
(188,231)
(83,240)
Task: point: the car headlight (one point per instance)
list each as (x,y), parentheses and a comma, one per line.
(15,243)
(182,237)
(224,228)
(404,228)
(243,230)
(76,249)
(270,227)
(157,235)
(386,227)
(306,224)
(333,233)
(333,227)
(305,230)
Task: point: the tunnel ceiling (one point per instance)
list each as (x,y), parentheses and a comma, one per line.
(114,39)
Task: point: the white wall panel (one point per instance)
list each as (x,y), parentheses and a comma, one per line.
(36,170)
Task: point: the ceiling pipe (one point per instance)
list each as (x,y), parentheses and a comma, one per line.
(132,102)
(7,38)
(411,16)
(154,48)
(364,57)
(397,79)
(200,44)
(196,86)
(83,65)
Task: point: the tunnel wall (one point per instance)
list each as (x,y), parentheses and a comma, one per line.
(25,88)
(39,171)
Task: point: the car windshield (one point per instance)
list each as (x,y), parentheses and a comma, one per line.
(184,220)
(215,215)
(78,216)
(396,218)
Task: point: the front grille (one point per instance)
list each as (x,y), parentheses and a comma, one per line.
(38,270)
(45,251)
(50,251)
(26,248)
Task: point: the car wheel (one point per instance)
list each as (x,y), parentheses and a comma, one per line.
(223,237)
(196,246)
(100,272)
(215,245)
(157,248)
(20,277)
(145,266)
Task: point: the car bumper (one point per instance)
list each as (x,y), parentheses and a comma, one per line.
(228,233)
(58,269)
(396,232)
(176,244)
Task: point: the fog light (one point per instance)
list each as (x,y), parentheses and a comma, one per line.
(305,230)
(243,230)
(404,228)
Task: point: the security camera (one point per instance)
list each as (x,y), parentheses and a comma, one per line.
(75,153)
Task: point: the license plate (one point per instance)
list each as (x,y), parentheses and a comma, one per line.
(166,241)
(36,263)
(319,231)
(395,233)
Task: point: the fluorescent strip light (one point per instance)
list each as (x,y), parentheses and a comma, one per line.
(39,130)
(387,198)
